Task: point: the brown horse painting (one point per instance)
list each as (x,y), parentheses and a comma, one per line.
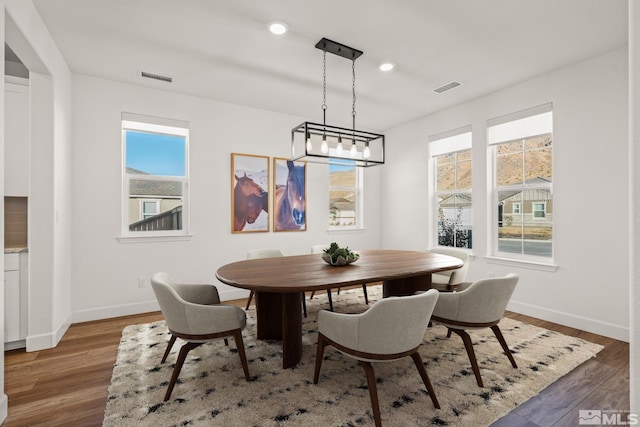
(244,189)
(290,201)
(255,206)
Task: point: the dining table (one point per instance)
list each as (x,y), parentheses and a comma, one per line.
(280,283)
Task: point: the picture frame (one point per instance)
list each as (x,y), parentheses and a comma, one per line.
(289,195)
(249,193)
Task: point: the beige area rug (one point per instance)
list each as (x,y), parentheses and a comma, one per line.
(212,391)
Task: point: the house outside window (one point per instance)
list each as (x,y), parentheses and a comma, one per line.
(155,176)
(345,197)
(522,151)
(451,160)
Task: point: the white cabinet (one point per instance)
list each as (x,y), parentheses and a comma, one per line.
(16,136)
(15,300)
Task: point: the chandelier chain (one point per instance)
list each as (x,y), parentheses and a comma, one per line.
(353,87)
(324,80)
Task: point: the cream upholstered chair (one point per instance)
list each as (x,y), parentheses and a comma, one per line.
(194,314)
(318,249)
(392,328)
(261,253)
(450,279)
(478,305)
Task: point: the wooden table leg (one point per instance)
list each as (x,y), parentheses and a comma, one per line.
(279,317)
(406,286)
(291,329)
(269,315)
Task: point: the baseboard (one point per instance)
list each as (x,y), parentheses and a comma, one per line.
(50,340)
(99,313)
(610,330)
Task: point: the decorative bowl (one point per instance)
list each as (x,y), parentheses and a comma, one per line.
(340,261)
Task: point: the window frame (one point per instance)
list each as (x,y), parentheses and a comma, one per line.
(446,143)
(159,126)
(358,189)
(539,126)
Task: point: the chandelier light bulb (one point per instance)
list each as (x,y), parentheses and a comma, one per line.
(324,147)
(339,146)
(354,149)
(367,152)
(309,145)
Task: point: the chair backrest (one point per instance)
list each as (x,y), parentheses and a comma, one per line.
(459,274)
(171,304)
(318,249)
(396,324)
(264,253)
(486,300)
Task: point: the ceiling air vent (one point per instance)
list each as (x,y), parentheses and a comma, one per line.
(155,76)
(447,87)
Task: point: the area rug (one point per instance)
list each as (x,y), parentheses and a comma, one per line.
(212,391)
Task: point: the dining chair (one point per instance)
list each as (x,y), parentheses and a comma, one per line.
(319,249)
(194,314)
(478,305)
(447,281)
(391,329)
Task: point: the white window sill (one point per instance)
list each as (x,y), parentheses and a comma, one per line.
(345,230)
(533,265)
(154,238)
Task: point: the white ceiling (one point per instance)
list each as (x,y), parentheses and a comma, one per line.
(222,49)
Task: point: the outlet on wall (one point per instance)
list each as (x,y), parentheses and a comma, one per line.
(142,282)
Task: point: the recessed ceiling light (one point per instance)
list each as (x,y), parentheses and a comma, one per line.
(278,27)
(387,66)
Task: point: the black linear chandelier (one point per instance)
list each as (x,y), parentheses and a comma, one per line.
(322,143)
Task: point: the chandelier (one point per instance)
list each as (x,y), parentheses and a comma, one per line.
(322,143)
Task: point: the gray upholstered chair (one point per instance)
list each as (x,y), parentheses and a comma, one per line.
(392,328)
(450,279)
(318,249)
(261,253)
(478,305)
(194,314)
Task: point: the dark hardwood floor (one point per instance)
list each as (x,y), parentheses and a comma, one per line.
(67,385)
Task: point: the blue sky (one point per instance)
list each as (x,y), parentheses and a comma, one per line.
(155,153)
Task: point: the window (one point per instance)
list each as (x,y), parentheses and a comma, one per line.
(451,153)
(155,176)
(522,146)
(345,193)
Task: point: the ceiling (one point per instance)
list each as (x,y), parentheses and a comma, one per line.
(222,49)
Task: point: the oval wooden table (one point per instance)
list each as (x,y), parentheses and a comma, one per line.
(279,284)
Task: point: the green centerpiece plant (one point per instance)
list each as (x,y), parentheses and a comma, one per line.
(336,256)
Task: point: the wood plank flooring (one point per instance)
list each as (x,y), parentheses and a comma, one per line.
(67,385)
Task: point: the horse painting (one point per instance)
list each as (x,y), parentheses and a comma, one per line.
(243,191)
(290,200)
(255,206)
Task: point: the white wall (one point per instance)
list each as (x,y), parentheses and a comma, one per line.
(590,184)
(105,272)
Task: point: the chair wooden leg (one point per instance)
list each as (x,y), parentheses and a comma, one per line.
(304,305)
(425,378)
(176,370)
(366,297)
(330,300)
(237,337)
(319,355)
(249,300)
(312,294)
(472,356)
(373,391)
(172,340)
(503,343)
(448,333)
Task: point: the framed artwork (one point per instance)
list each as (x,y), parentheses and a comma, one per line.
(249,199)
(290,195)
